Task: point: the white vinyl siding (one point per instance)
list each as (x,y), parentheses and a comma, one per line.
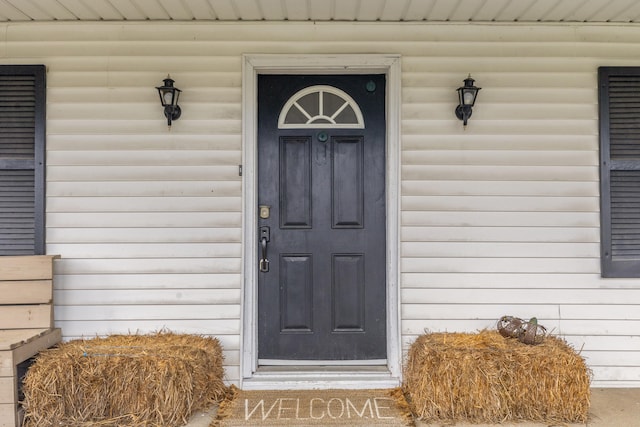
(500,218)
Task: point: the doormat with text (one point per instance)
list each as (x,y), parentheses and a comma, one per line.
(303,408)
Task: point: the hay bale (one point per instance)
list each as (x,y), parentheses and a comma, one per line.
(486,378)
(124,380)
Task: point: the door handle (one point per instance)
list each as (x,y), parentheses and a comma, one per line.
(265,236)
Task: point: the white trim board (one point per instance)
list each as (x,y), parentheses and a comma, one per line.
(254,64)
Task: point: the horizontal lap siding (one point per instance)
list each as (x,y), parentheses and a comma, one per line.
(147,220)
(500,218)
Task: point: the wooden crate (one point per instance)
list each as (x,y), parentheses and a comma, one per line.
(26,323)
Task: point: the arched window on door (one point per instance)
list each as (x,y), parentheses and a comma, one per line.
(321,106)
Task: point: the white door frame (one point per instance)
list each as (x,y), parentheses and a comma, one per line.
(254,64)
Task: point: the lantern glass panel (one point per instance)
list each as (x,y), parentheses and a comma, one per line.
(468,97)
(167,98)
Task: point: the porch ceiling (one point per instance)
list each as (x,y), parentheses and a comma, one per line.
(323,10)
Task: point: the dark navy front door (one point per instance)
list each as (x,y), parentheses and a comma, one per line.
(321,188)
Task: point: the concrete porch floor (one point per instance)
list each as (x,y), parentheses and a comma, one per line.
(610,407)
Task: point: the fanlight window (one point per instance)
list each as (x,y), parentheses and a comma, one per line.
(321,107)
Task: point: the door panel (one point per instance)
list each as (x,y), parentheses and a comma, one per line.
(296,293)
(295,182)
(347,183)
(324,294)
(348,293)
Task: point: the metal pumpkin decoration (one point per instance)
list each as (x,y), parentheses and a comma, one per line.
(530,332)
(510,327)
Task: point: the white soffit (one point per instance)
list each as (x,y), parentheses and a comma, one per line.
(619,11)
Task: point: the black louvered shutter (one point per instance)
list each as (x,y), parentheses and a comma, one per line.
(22,135)
(619,97)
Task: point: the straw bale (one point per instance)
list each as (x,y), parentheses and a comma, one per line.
(124,380)
(487,378)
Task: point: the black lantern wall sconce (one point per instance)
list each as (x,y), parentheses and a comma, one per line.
(169,98)
(466,99)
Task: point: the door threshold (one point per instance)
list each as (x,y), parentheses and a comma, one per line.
(305,377)
(281,362)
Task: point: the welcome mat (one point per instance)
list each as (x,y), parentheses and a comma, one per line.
(301,408)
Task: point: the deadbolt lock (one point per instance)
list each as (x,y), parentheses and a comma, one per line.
(265,211)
